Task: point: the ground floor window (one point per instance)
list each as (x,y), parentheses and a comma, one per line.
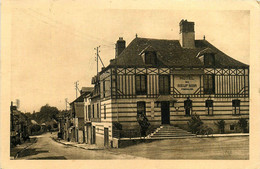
(209,107)
(188,106)
(235,107)
(141,108)
(105,113)
(232,127)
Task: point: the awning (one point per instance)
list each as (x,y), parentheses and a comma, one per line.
(166,98)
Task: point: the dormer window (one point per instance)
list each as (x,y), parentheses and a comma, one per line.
(150,58)
(209,60)
(207,57)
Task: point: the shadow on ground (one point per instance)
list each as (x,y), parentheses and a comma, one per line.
(49,158)
(31,151)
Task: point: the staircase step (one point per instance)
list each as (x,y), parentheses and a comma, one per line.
(168,132)
(173,131)
(172,135)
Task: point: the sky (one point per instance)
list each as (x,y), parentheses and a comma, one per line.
(52,44)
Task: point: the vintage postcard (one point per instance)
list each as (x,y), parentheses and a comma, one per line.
(139,84)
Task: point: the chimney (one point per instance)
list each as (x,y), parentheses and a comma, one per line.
(187,34)
(120,46)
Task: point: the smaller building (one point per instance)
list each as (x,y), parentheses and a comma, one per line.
(76,128)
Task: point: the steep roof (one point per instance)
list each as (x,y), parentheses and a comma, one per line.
(86,89)
(171,54)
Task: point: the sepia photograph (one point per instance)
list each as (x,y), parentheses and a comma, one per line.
(109,82)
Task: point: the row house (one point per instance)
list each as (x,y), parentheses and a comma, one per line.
(167,81)
(75,122)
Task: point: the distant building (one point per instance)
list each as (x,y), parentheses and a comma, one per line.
(167,81)
(77,115)
(19,126)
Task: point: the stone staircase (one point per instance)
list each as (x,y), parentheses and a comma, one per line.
(169,132)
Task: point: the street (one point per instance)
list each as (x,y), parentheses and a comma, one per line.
(188,148)
(47,148)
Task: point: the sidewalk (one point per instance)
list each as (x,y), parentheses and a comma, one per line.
(226,135)
(15,151)
(75,144)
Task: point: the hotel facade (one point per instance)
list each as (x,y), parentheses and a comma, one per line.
(167,81)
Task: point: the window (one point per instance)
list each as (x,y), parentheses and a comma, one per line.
(97,110)
(89,111)
(96,89)
(209,60)
(141,108)
(209,84)
(188,106)
(93,111)
(232,127)
(150,58)
(104,89)
(105,113)
(236,107)
(164,84)
(209,107)
(140,84)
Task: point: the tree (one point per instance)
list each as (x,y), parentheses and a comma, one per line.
(47,113)
(35,128)
(49,127)
(221,126)
(143,123)
(242,123)
(55,125)
(117,125)
(195,123)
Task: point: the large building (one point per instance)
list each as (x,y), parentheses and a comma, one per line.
(167,81)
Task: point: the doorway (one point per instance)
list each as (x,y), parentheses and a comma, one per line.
(165,112)
(106,137)
(94,135)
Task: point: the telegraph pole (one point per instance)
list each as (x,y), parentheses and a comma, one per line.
(76,87)
(66,102)
(98,58)
(97,50)
(12,117)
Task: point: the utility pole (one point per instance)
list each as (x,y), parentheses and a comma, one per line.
(76,87)
(97,50)
(66,102)
(12,117)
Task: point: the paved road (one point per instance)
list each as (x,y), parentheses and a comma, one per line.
(46,148)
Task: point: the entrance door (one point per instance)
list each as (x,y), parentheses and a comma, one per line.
(106,137)
(94,135)
(165,112)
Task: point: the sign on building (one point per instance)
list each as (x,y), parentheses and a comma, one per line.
(186,84)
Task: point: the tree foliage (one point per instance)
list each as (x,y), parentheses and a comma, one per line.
(117,125)
(35,128)
(243,124)
(221,126)
(143,123)
(46,114)
(195,123)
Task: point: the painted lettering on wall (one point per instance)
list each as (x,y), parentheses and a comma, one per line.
(186,84)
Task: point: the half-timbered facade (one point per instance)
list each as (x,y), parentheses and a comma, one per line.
(168,81)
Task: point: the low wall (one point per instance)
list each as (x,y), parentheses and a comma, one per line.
(129,142)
